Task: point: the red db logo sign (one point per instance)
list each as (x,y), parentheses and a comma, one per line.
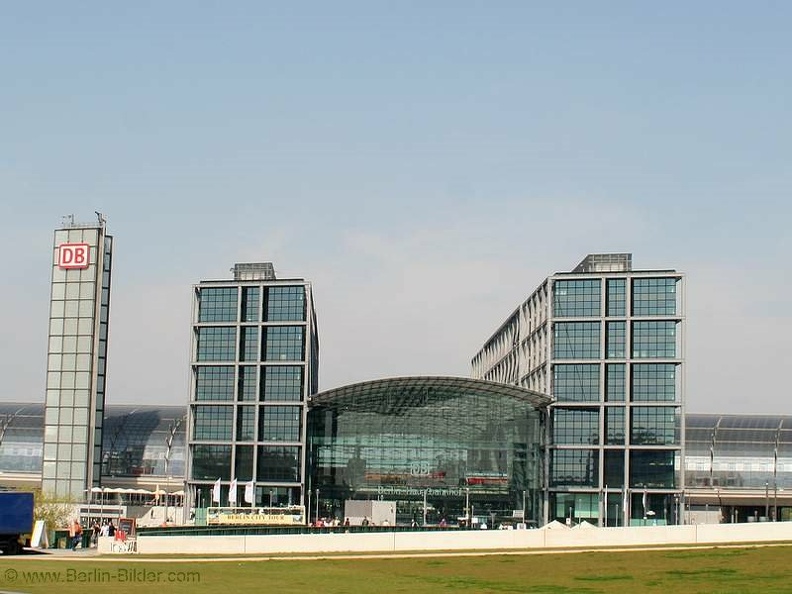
(73,255)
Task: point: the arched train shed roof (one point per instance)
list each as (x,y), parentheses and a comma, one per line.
(416,390)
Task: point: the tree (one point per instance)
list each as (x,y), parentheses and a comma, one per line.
(55,511)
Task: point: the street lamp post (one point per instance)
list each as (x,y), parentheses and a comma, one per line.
(270,497)
(467,507)
(316,518)
(767,499)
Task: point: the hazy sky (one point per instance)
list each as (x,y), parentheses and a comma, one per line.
(426,164)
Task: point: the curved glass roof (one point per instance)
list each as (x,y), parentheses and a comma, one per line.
(739,451)
(21,437)
(389,394)
(135,439)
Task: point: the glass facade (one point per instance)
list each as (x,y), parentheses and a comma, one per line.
(254,349)
(736,465)
(606,343)
(452,441)
(76,359)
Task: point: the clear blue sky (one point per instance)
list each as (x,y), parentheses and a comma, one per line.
(425,164)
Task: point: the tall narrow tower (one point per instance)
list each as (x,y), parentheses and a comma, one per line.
(76,358)
(607,343)
(254,363)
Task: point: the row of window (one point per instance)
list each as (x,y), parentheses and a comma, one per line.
(222,383)
(649,382)
(275,423)
(271,463)
(582,298)
(228,304)
(648,426)
(653,469)
(581,340)
(279,343)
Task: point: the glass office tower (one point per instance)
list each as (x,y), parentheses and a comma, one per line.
(77,358)
(606,342)
(254,363)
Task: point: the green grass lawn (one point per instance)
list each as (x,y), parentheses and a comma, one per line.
(721,570)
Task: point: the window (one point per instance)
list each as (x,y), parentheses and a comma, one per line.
(615,376)
(576,426)
(652,469)
(214,382)
(284,343)
(576,383)
(654,382)
(216,344)
(246,387)
(250,304)
(614,425)
(278,463)
(213,423)
(576,298)
(280,423)
(246,423)
(248,343)
(211,462)
(574,468)
(217,304)
(615,340)
(616,297)
(654,340)
(285,304)
(654,296)
(284,383)
(576,340)
(654,425)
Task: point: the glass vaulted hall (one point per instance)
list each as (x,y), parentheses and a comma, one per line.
(444,449)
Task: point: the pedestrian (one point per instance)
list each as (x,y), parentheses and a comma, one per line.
(95,533)
(75,533)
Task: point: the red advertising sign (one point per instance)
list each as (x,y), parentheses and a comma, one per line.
(73,255)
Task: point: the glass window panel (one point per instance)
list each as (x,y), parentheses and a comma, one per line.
(217,304)
(576,298)
(615,340)
(282,383)
(211,462)
(574,468)
(614,425)
(616,297)
(214,382)
(251,299)
(246,423)
(280,423)
(615,382)
(576,340)
(576,382)
(614,468)
(246,387)
(653,469)
(284,343)
(576,426)
(655,340)
(243,465)
(654,296)
(654,425)
(216,344)
(653,382)
(285,304)
(249,343)
(213,423)
(278,463)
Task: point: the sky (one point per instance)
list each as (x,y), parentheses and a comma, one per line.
(425,164)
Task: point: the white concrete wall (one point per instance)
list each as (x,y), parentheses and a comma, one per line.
(387,542)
